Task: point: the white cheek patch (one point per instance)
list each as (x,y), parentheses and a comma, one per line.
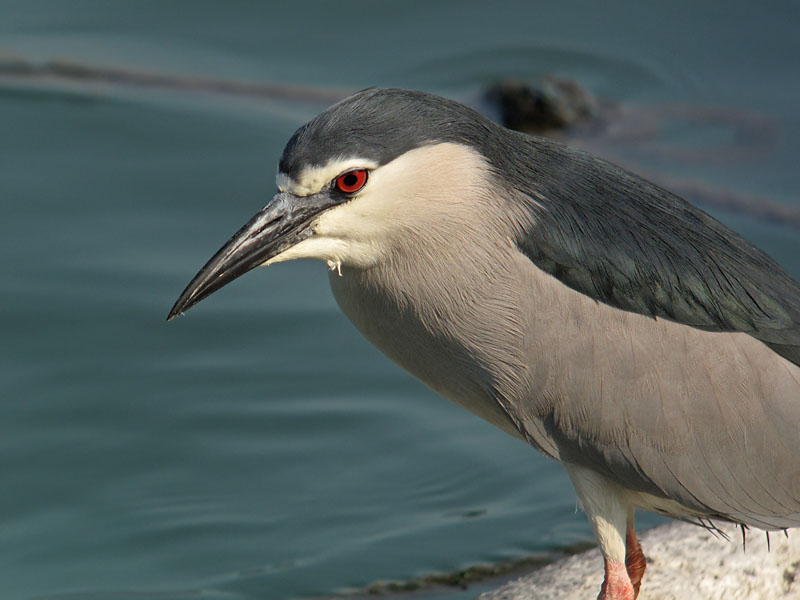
(335,251)
(313,179)
(316,247)
(363,230)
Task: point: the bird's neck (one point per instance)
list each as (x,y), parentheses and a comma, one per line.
(449,335)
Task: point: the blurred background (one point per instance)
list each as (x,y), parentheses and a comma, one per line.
(258,447)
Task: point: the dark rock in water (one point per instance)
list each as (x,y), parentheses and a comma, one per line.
(541,108)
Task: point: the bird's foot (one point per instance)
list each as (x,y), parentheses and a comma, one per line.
(617,584)
(635,562)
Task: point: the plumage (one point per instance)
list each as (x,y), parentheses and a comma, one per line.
(649,251)
(605,321)
(635,398)
(627,242)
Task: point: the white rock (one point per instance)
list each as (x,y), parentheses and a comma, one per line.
(684,562)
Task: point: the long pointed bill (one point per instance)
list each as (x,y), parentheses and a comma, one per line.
(278,226)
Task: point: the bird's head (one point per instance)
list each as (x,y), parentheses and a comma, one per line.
(357,181)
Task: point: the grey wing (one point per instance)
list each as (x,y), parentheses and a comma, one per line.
(716,430)
(709,421)
(625,241)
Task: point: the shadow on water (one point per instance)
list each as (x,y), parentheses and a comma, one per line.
(616,131)
(463,583)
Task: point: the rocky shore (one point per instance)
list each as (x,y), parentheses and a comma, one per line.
(683,562)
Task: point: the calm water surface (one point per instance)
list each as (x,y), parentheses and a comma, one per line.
(259,448)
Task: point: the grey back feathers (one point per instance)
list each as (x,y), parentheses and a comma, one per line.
(631,244)
(598,228)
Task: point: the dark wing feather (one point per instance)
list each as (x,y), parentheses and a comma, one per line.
(627,242)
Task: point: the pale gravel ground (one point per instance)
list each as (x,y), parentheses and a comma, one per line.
(684,562)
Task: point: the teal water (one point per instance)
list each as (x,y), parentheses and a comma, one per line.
(258,447)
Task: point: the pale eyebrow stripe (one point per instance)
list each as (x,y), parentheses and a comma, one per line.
(313,179)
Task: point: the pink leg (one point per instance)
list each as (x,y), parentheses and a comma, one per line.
(634,560)
(617,585)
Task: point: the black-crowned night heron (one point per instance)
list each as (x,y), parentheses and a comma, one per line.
(603,320)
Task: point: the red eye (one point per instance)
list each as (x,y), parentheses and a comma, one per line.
(351,181)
